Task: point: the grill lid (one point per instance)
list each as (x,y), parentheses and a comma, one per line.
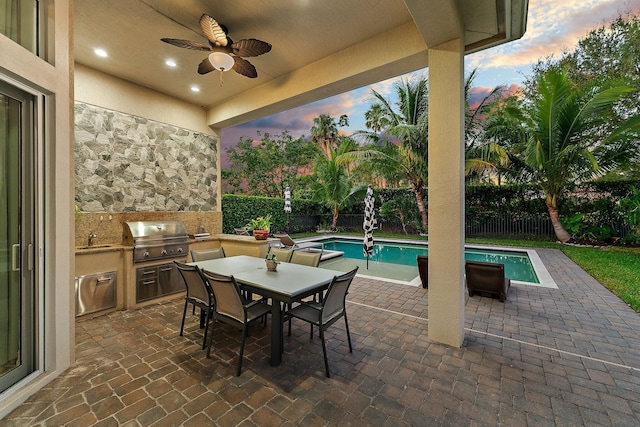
(144,232)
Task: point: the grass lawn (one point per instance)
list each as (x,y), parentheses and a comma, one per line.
(618,269)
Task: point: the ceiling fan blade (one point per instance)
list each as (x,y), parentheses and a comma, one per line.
(244,67)
(205,66)
(214,32)
(250,47)
(187,44)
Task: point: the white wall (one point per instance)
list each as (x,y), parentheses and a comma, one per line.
(97,88)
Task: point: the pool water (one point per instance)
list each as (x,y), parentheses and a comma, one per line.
(517,264)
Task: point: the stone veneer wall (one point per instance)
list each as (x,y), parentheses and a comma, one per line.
(125,163)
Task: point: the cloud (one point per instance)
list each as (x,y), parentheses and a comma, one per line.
(478,93)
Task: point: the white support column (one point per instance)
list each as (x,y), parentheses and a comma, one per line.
(446,193)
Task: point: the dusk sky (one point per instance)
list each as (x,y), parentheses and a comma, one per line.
(552,27)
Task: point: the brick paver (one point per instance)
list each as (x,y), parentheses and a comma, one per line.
(566,356)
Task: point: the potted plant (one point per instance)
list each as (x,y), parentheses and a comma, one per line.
(272,262)
(261,227)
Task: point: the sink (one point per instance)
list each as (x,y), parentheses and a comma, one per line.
(94,247)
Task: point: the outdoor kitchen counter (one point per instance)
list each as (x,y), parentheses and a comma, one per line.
(102,258)
(234,244)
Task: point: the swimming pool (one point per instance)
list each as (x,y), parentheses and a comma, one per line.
(391,258)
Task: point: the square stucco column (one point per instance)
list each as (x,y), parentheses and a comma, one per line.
(446,193)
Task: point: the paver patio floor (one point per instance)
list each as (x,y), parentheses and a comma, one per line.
(567,356)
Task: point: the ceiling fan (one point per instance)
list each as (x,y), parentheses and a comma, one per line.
(226,54)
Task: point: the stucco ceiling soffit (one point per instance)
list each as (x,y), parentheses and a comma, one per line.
(393,53)
(438,20)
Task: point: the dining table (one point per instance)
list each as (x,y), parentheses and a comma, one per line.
(288,284)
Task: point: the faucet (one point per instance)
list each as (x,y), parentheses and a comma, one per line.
(92,236)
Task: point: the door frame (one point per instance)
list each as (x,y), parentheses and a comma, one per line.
(32,172)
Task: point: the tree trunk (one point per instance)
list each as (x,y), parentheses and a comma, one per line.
(562,234)
(404,226)
(334,224)
(421,208)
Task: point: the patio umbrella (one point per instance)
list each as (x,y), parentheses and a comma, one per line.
(287,204)
(369,222)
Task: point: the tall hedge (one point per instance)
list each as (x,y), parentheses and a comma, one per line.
(237,210)
(599,199)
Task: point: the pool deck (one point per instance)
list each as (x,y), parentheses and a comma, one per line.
(568,356)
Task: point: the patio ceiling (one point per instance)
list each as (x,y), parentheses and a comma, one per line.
(320,48)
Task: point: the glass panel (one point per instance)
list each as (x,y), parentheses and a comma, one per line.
(18,21)
(17,298)
(9,239)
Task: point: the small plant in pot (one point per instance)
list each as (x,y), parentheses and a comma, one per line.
(261,227)
(272,262)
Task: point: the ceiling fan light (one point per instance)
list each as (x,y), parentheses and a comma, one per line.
(221,61)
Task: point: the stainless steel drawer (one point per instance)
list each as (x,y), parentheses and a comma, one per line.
(95,292)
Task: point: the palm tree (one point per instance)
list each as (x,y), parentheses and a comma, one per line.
(332,184)
(325,131)
(483,156)
(408,123)
(375,118)
(568,136)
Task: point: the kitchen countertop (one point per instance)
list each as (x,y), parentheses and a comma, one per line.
(108,247)
(102,247)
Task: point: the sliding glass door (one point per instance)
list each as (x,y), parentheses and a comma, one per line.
(17,231)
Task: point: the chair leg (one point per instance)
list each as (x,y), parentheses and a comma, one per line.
(206,329)
(346,324)
(285,308)
(324,352)
(244,337)
(202,317)
(184,314)
(213,321)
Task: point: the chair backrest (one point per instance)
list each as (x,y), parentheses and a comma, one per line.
(423,269)
(229,301)
(242,231)
(484,275)
(196,284)
(312,259)
(285,239)
(334,300)
(283,255)
(206,254)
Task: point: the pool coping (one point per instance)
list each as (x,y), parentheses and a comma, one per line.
(545,278)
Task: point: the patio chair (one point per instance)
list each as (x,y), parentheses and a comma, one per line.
(327,312)
(287,242)
(423,269)
(487,277)
(206,254)
(242,231)
(199,293)
(312,259)
(283,255)
(232,308)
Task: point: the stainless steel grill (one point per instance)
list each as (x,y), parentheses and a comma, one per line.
(155,240)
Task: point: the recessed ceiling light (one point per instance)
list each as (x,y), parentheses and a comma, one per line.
(170,62)
(195,89)
(101,52)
